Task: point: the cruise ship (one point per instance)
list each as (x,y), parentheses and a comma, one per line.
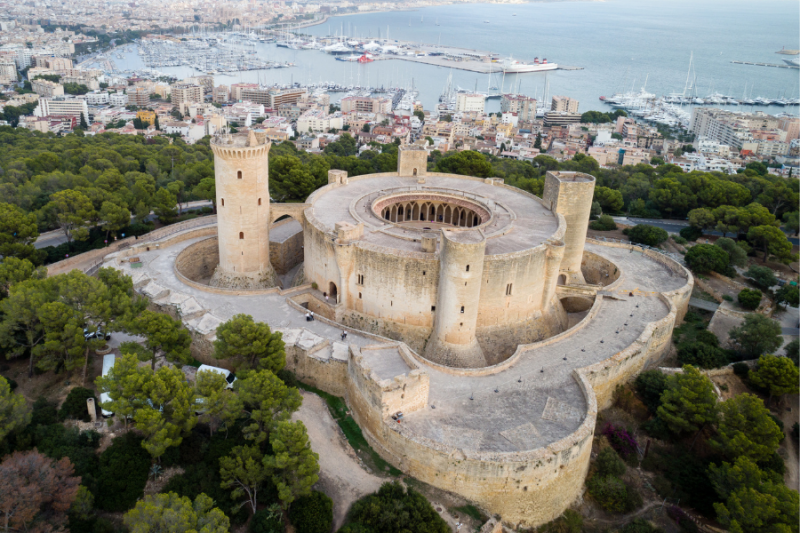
(512,66)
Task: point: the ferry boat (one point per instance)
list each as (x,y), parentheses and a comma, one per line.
(512,66)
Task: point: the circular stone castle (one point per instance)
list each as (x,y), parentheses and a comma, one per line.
(485,330)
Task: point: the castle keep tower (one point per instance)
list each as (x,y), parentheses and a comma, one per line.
(571,193)
(412,160)
(243,212)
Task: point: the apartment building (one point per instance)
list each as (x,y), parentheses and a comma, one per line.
(469,102)
(564,103)
(62,106)
(221,94)
(318,120)
(561,118)
(51,62)
(8,71)
(139,97)
(146,116)
(523,106)
(361,104)
(100,98)
(47,88)
(186,93)
(118,99)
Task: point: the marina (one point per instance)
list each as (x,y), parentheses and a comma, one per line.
(776,65)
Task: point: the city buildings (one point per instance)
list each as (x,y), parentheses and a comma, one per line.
(139,96)
(47,88)
(565,104)
(362,104)
(469,102)
(523,106)
(68,106)
(186,93)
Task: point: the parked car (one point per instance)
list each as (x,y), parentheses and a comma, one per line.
(97,334)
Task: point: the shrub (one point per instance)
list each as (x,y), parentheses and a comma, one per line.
(690,233)
(763,277)
(604,223)
(788,294)
(648,235)
(75,405)
(124,467)
(741,370)
(266,521)
(608,463)
(749,298)
(649,386)
(703,258)
(613,495)
(774,463)
(312,513)
(737,254)
(11,383)
(679,240)
(727,297)
(394,510)
(569,522)
(628,402)
(44,412)
(701,354)
(792,351)
(624,444)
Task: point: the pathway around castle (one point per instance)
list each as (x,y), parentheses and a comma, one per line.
(341,476)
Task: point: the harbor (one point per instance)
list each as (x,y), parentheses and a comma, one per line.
(775,65)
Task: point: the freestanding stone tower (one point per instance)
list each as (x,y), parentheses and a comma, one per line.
(412,160)
(570,194)
(243,213)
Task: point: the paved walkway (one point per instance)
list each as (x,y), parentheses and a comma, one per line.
(705,305)
(534,402)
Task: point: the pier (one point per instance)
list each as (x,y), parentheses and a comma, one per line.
(763,64)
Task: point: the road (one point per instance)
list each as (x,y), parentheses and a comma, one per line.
(56,237)
(675,226)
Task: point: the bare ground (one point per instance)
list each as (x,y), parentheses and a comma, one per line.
(341,475)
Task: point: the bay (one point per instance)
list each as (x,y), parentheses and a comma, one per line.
(619,44)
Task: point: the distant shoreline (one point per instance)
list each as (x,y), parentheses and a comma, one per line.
(333,15)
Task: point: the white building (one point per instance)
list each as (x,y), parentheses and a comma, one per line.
(101,98)
(319,120)
(468,102)
(118,99)
(181,128)
(64,106)
(8,71)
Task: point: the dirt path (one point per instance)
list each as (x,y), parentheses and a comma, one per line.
(789,450)
(341,476)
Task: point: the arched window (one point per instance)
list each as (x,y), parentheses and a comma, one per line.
(241,235)
(259,201)
(415,171)
(467,268)
(223,202)
(239,174)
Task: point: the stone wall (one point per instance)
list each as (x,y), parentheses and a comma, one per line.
(598,270)
(625,365)
(198,261)
(133,243)
(288,253)
(329,375)
(525,488)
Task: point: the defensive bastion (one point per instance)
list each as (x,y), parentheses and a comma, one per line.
(478,311)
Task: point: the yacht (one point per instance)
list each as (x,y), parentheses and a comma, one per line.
(512,66)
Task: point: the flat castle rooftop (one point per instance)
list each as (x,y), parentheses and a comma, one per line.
(518,221)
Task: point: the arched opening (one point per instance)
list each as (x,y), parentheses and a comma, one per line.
(223,201)
(259,201)
(562,279)
(415,172)
(241,235)
(239,174)
(333,292)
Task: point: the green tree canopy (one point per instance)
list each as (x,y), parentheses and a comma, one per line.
(267,401)
(73,211)
(756,336)
(251,344)
(15,414)
(772,241)
(704,258)
(778,374)
(466,163)
(736,254)
(648,235)
(163,333)
(171,513)
(689,402)
(244,471)
(294,466)
(746,429)
(18,232)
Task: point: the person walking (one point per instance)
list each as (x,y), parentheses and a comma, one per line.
(344,335)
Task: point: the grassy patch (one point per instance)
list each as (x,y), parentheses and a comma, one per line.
(352,432)
(469,510)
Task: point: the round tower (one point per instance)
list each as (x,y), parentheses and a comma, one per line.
(241,168)
(453,341)
(571,194)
